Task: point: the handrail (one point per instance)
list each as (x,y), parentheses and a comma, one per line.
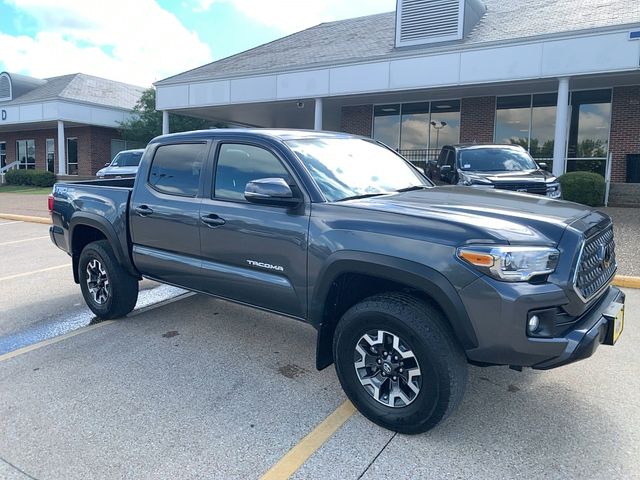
(9,166)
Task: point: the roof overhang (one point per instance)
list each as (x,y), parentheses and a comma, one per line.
(587,53)
(75,112)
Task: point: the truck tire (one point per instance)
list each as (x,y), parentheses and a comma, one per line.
(109,291)
(399,363)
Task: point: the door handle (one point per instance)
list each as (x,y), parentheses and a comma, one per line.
(143,210)
(212,220)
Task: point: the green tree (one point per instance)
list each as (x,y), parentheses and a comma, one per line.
(146,123)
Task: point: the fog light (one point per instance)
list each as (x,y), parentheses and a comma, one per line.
(534,323)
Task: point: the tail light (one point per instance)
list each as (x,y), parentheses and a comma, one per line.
(50,203)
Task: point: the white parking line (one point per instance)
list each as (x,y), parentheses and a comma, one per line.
(9,223)
(23,240)
(18,275)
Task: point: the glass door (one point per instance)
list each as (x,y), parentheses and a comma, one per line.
(72,156)
(50,155)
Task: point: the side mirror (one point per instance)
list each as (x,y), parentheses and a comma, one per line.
(543,166)
(270,191)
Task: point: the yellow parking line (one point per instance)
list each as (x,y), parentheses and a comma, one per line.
(626,281)
(25,218)
(23,240)
(300,453)
(18,275)
(50,341)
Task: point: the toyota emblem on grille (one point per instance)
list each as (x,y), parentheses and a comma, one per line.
(604,256)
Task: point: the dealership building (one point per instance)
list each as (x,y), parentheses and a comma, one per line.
(559,77)
(72,117)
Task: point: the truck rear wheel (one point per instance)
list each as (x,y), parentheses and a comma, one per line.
(107,288)
(399,363)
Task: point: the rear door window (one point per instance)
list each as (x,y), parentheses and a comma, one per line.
(176,168)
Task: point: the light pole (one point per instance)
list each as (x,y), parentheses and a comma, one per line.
(438,126)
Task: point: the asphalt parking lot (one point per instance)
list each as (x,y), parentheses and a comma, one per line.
(193,387)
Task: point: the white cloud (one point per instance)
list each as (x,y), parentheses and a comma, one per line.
(293,15)
(132,41)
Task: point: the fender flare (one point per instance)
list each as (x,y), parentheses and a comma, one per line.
(102,225)
(406,272)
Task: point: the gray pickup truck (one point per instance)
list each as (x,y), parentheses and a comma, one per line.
(406,283)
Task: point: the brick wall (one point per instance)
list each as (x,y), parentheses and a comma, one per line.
(625,129)
(357,120)
(94,146)
(477,119)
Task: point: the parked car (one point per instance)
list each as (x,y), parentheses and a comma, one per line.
(506,167)
(124,164)
(405,282)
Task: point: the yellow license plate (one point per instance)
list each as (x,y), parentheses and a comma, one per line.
(618,325)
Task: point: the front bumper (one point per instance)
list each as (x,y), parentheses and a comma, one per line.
(498,312)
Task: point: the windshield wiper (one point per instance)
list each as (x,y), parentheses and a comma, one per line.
(364,195)
(412,188)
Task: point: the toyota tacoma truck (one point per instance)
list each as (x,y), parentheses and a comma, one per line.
(407,283)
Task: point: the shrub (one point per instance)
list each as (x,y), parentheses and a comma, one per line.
(583,187)
(36,178)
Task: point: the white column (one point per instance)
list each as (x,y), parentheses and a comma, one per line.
(62,158)
(562,119)
(317,123)
(165,122)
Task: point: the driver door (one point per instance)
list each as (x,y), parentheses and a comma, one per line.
(253,254)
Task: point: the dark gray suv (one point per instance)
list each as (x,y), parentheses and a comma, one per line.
(504,167)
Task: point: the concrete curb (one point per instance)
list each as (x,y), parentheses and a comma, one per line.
(25,218)
(624,281)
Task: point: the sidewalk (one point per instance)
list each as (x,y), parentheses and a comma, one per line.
(626,223)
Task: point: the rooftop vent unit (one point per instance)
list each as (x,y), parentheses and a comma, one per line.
(421,22)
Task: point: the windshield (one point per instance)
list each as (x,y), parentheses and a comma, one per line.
(351,167)
(496,160)
(127,159)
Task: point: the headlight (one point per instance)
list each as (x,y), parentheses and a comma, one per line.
(554,190)
(511,263)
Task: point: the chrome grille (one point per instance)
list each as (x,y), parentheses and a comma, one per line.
(530,187)
(596,265)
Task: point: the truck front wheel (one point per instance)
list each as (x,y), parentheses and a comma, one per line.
(109,291)
(399,363)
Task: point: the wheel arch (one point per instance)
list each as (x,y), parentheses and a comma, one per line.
(85,228)
(391,273)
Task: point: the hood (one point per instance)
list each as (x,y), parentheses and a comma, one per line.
(486,215)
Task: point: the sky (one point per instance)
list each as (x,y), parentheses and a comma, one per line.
(142,41)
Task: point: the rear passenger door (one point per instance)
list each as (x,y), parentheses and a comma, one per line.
(254,254)
(165,214)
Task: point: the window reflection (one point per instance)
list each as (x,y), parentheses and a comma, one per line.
(386,124)
(409,126)
(590,121)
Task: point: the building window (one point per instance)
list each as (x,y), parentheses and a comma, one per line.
(3,154)
(72,156)
(50,155)
(26,154)
(530,121)
(418,130)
